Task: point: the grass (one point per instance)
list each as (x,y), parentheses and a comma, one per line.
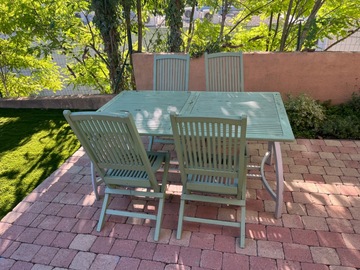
(33,144)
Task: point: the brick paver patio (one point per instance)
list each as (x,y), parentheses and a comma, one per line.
(54,227)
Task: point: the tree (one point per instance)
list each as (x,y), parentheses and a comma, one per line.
(338,20)
(299,24)
(99,51)
(28,36)
(33,31)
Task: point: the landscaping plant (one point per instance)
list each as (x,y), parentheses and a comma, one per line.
(312,119)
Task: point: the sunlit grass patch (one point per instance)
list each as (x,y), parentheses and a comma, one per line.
(33,144)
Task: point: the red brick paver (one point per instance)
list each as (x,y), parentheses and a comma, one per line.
(54,227)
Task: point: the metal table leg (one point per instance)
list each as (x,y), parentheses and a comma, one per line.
(274,153)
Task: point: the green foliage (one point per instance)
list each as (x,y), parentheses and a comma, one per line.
(311,39)
(33,144)
(305,114)
(23,74)
(250,41)
(341,127)
(205,38)
(343,121)
(97,53)
(310,119)
(157,42)
(33,30)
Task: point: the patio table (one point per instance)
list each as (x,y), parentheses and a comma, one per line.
(266,118)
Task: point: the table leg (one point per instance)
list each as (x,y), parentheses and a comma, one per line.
(274,151)
(269,160)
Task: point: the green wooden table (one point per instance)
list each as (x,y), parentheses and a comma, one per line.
(266,116)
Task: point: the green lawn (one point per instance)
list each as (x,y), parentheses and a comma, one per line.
(33,144)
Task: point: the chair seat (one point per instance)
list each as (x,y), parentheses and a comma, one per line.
(136,178)
(214,184)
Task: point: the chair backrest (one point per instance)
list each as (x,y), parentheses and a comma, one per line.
(211,146)
(112,142)
(171,72)
(224,72)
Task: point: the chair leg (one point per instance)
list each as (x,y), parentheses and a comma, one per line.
(159,219)
(181,218)
(94,181)
(242,227)
(103,212)
(151,141)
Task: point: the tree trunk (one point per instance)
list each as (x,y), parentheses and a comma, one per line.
(224,12)
(120,80)
(107,21)
(191,25)
(285,28)
(174,12)
(318,4)
(140,25)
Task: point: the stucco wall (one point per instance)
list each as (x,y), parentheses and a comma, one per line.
(323,75)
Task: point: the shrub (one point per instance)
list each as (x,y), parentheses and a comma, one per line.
(339,127)
(310,119)
(305,115)
(343,121)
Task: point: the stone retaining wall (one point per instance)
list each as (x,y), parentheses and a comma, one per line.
(81,102)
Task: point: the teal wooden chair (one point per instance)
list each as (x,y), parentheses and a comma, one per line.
(212,162)
(114,146)
(224,72)
(171,73)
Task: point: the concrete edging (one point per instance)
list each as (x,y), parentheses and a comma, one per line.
(78,102)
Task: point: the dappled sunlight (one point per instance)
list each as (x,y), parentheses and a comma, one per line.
(137,205)
(256,232)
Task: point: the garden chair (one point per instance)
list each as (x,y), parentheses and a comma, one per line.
(224,72)
(114,146)
(212,162)
(171,73)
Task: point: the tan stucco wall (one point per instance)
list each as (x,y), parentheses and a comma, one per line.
(323,75)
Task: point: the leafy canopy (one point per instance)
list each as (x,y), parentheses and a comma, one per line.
(98,51)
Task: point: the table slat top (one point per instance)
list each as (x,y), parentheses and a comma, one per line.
(267,118)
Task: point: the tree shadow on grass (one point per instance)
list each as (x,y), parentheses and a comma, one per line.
(54,135)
